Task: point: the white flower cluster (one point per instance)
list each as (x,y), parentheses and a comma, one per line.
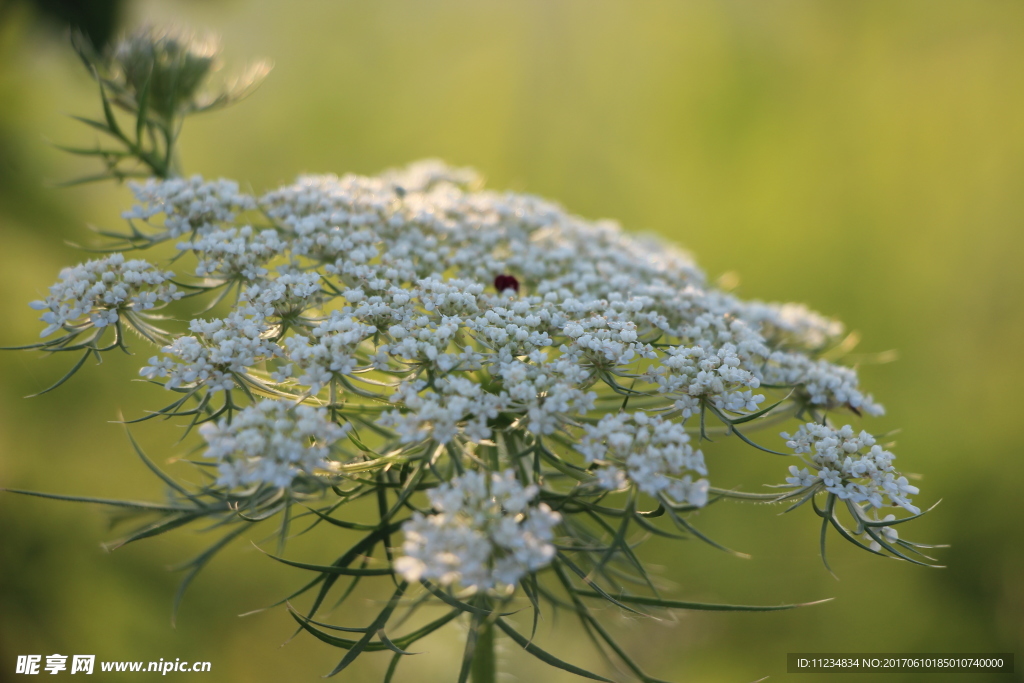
(188,204)
(417,256)
(548,393)
(850,465)
(794,325)
(331,353)
(289,294)
(654,452)
(271,442)
(438,414)
(692,373)
(484,534)
(479,309)
(97,291)
(216,353)
(234,252)
(825,383)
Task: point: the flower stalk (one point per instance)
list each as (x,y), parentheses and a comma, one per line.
(484,669)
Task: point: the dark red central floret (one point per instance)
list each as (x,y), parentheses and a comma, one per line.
(503,282)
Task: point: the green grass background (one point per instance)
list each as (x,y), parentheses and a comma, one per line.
(866,158)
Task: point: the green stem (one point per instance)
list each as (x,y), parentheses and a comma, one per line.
(484,668)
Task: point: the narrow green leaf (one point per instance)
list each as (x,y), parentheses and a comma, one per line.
(331,569)
(619,539)
(620,542)
(65,378)
(704,606)
(166,412)
(682,522)
(424,631)
(544,656)
(156,528)
(703,420)
(744,495)
(197,565)
(914,548)
(810,493)
(873,523)
(160,473)
(764,411)
(345,629)
(580,609)
(136,505)
(91,152)
(758,447)
(383,515)
(392,667)
(365,546)
(882,541)
(469,651)
(98,125)
(142,114)
(410,487)
(341,523)
(825,521)
(377,624)
(529,585)
(448,599)
(648,526)
(618,650)
(391,646)
(343,643)
(108,111)
(740,434)
(590,582)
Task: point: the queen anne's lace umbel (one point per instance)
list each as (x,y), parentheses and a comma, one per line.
(473,386)
(434,319)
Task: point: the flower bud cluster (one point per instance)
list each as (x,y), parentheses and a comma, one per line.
(484,533)
(165,67)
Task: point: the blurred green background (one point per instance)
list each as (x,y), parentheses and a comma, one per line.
(865,158)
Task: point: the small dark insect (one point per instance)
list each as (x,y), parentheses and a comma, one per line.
(503,282)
